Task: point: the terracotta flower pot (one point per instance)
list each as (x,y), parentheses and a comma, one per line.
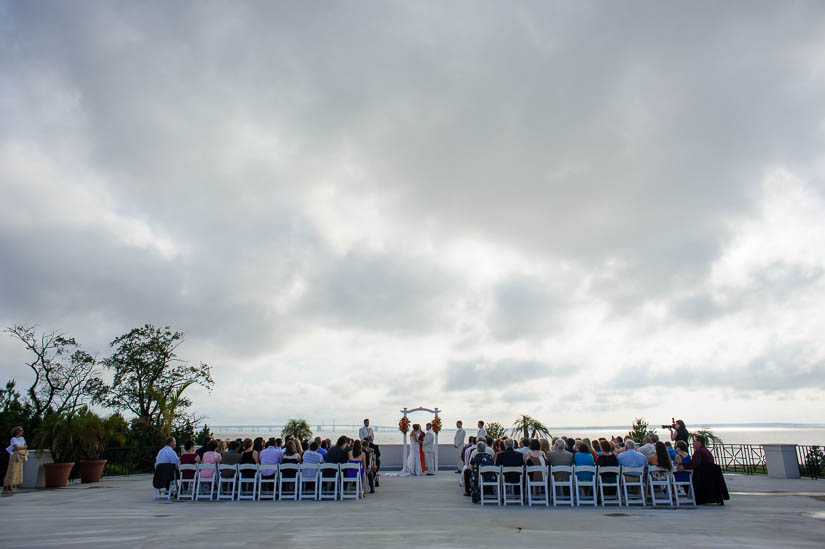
(57,474)
(91,471)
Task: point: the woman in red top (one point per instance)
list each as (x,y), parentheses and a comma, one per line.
(189,457)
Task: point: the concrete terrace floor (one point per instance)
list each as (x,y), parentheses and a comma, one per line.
(426,511)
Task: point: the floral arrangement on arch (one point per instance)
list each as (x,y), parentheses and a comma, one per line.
(404,425)
(436,424)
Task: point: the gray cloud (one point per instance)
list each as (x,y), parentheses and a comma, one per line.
(485,374)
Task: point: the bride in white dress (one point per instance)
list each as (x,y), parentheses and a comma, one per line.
(413,465)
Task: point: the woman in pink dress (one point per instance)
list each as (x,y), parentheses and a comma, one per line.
(210,457)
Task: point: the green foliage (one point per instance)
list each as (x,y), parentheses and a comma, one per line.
(148,379)
(184,430)
(710,438)
(144,434)
(495,430)
(815,463)
(298,428)
(639,430)
(13,411)
(203,436)
(72,437)
(117,431)
(528,427)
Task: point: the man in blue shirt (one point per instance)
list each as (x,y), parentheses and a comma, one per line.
(631,458)
(167,454)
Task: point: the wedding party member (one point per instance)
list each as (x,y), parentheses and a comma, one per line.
(458,444)
(18,453)
(482,432)
(189,457)
(365,432)
(415,460)
(428,447)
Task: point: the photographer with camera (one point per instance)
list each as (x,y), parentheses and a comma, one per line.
(677,429)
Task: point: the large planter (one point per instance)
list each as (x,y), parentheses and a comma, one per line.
(91,471)
(57,474)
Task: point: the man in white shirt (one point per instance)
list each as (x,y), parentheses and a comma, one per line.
(524,446)
(365,432)
(482,432)
(458,442)
(647,448)
(167,454)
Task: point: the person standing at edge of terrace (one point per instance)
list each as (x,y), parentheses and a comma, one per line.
(18,453)
(482,432)
(458,443)
(365,433)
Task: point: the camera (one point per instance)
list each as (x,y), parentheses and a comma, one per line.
(672,425)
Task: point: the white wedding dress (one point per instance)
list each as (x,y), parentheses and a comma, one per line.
(413,465)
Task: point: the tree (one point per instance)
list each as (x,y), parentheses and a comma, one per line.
(203,436)
(168,405)
(639,430)
(495,430)
(63,373)
(298,428)
(147,375)
(710,438)
(529,427)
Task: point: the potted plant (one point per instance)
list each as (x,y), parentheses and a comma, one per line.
(90,432)
(56,434)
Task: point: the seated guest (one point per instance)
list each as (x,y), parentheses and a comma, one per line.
(660,459)
(682,458)
(166,463)
(583,457)
(189,457)
(708,481)
(321,448)
(269,456)
(480,459)
(510,458)
(231,457)
(591,448)
(204,448)
(210,457)
(336,454)
(311,456)
(607,459)
(524,446)
(560,456)
(534,455)
(571,445)
(258,445)
(291,455)
(544,445)
(647,448)
(630,457)
(467,473)
(248,456)
(671,451)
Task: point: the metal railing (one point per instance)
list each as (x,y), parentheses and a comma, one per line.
(129,461)
(811,460)
(740,458)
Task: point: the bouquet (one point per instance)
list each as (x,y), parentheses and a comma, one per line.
(404,425)
(436,424)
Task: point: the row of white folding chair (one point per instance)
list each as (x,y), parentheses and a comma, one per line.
(585,485)
(241,487)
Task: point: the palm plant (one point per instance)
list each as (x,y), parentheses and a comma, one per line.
(710,438)
(72,436)
(168,405)
(529,427)
(298,428)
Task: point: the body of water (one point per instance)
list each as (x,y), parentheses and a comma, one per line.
(730,434)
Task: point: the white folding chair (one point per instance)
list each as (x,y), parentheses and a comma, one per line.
(512,492)
(354,481)
(537,491)
(609,498)
(689,497)
(227,485)
(495,484)
(660,491)
(267,481)
(288,484)
(309,478)
(248,485)
(585,489)
(205,478)
(170,492)
(558,484)
(633,477)
(329,478)
(186,486)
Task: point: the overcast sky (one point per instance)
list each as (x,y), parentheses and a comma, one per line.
(586,212)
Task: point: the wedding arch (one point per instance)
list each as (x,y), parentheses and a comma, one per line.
(435,411)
